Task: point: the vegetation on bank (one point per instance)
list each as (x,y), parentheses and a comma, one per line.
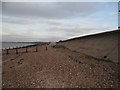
(86,56)
(58,46)
(97,59)
(94,58)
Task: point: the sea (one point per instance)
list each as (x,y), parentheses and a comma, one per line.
(7,45)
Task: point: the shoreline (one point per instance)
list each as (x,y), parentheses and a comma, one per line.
(24,49)
(23,46)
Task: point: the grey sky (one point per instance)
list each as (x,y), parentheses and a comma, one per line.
(55,21)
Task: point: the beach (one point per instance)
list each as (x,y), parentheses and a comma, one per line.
(55,67)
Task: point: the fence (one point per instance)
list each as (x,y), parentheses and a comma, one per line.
(18,50)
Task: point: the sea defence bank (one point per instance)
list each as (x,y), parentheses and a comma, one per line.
(102,45)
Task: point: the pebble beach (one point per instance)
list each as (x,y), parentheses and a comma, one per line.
(51,67)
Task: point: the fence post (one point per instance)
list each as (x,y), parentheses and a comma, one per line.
(16,51)
(26,49)
(36,49)
(46,48)
(7,51)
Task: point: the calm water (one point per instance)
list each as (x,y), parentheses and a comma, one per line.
(13,45)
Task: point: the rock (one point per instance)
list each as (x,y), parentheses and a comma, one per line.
(11,59)
(80,62)
(105,69)
(21,59)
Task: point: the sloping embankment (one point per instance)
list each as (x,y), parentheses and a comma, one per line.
(103,45)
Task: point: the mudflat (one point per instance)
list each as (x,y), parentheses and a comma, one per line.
(56,68)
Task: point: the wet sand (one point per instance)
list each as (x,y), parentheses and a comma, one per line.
(56,68)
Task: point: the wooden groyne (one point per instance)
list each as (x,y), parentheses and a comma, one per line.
(7,50)
(26,48)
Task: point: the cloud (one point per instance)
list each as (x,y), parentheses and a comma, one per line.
(54,21)
(40,37)
(26,21)
(77,30)
(48,10)
(52,33)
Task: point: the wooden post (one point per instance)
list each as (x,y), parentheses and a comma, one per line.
(16,51)
(26,49)
(46,48)
(36,49)
(7,51)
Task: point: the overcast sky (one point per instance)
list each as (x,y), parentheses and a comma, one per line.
(54,21)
